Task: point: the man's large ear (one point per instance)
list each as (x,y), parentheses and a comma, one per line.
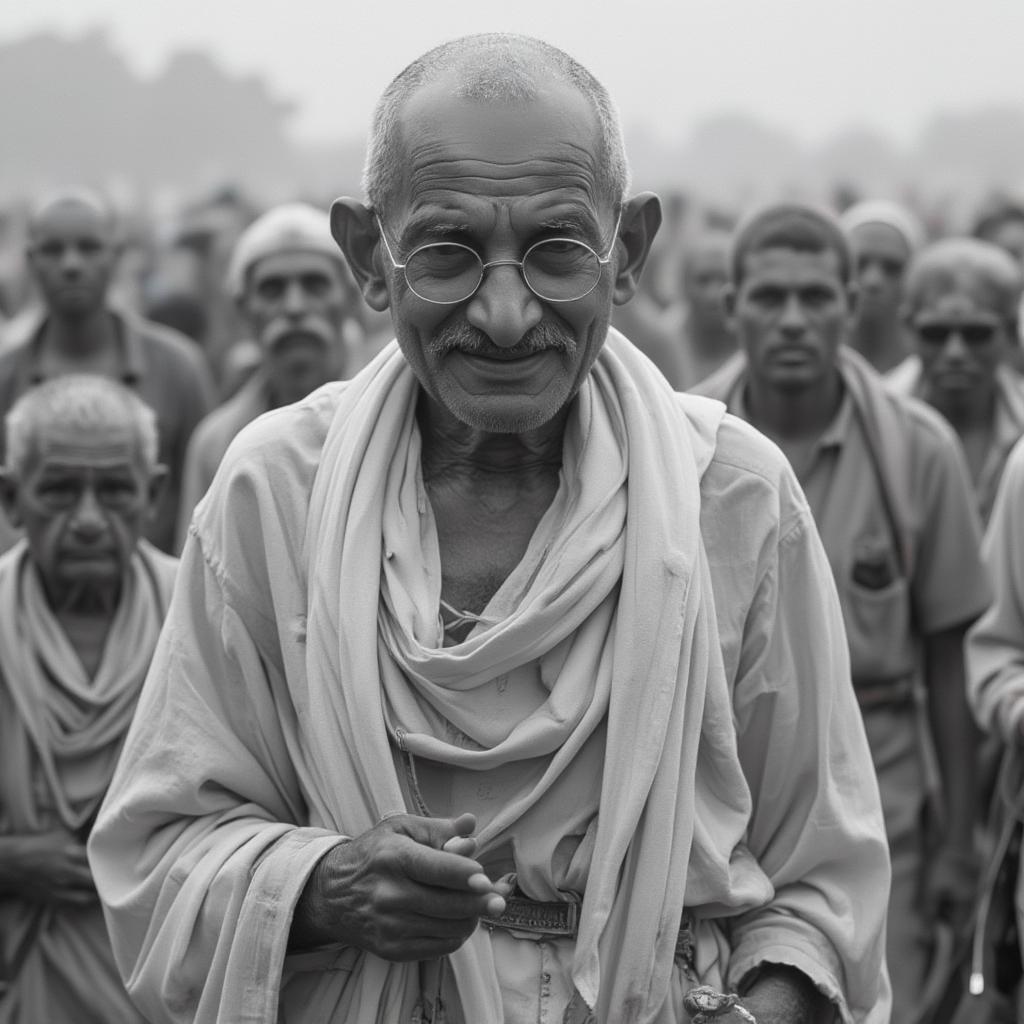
(355,230)
(641,218)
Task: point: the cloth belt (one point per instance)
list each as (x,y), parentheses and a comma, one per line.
(890,693)
(560,918)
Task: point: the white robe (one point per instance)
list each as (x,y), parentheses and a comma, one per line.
(259,743)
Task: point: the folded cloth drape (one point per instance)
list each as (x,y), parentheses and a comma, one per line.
(60,735)
(625,523)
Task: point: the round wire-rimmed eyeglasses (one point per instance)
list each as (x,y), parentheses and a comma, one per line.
(554,269)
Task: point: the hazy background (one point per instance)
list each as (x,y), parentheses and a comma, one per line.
(731,100)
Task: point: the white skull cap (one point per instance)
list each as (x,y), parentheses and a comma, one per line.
(290,227)
(884,211)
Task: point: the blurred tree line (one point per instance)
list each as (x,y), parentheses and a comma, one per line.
(75,110)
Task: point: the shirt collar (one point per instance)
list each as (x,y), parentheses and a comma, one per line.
(133,362)
(832,436)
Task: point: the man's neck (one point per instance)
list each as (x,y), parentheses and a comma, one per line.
(86,614)
(970,412)
(80,338)
(488,492)
(451,445)
(794,414)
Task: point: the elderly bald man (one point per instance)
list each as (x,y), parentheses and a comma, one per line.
(82,598)
(961,309)
(501,683)
(884,237)
(292,286)
(73,249)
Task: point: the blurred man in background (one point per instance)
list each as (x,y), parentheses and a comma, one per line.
(961,310)
(292,287)
(884,237)
(82,599)
(701,324)
(888,488)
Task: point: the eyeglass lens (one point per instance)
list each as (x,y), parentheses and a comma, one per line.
(556,269)
(972,334)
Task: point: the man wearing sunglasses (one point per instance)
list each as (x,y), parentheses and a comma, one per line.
(503,684)
(886,482)
(961,309)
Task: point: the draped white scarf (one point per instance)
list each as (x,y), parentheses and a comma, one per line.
(626,517)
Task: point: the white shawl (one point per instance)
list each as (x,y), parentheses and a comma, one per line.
(626,517)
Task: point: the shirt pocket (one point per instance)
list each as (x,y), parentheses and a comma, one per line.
(878,631)
(875,597)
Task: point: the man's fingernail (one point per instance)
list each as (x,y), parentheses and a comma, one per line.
(480,883)
(495,906)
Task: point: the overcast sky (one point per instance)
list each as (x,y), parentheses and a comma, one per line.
(809,66)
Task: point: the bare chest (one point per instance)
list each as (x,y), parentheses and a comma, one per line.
(481,542)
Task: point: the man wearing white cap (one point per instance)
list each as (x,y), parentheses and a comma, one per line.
(884,237)
(290,282)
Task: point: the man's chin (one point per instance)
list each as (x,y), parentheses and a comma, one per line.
(504,414)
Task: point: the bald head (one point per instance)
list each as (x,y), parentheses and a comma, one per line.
(965,266)
(497,68)
(53,204)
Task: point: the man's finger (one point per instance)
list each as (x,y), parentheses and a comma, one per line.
(435,867)
(433,832)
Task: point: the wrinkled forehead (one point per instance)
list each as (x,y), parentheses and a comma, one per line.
(107,447)
(455,148)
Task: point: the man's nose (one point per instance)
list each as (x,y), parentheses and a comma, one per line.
(794,318)
(88,519)
(871,275)
(503,307)
(71,261)
(294,302)
(955,348)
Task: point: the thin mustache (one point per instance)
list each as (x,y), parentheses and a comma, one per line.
(464,337)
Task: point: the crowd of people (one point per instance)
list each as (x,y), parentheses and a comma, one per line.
(414,615)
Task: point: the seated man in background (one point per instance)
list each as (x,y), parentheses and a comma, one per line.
(501,683)
(884,237)
(73,250)
(82,599)
(292,286)
(962,299)
(886,482)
